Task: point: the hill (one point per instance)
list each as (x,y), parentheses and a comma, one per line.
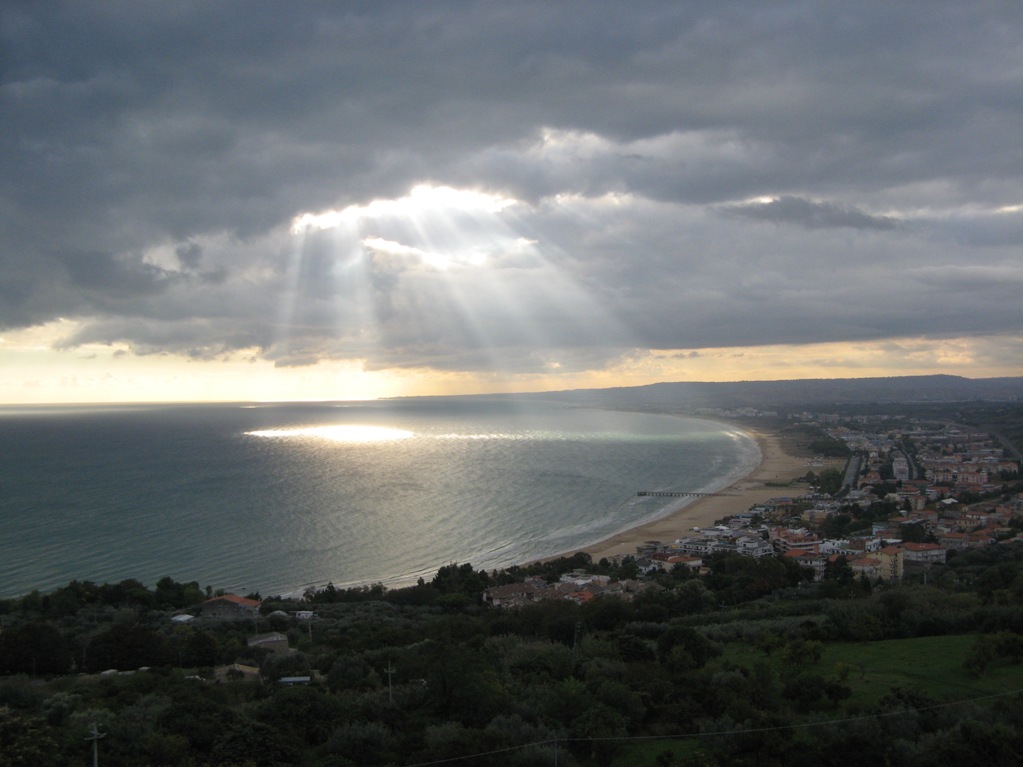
(687,396)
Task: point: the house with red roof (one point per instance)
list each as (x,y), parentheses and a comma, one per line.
(230,606)
(512,594)
(890,559)
(867,566)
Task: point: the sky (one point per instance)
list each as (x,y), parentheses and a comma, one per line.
(255,201)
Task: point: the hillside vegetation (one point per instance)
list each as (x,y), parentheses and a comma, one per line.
(749,664)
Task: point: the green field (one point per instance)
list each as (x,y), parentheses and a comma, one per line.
(932,665)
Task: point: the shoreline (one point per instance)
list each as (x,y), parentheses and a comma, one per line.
(774,476)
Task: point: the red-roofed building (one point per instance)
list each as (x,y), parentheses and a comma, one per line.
(580,597)
(794,540)
(890,559)
(230,606)
(868,566)
(693,563)
(511,594)
(961,541)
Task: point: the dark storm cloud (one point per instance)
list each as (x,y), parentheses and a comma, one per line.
(153,157)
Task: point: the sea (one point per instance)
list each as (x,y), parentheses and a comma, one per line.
(280,498)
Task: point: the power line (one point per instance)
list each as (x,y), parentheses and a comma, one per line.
(747,731)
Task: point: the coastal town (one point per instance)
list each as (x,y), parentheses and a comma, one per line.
(895,496)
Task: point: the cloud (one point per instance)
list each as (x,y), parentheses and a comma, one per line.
(809,214)
(189,255)
(159,163)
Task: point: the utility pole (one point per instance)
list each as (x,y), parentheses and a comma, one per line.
(95,736)
(575,641)
(389,670)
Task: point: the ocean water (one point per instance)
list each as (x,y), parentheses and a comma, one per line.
(277,498)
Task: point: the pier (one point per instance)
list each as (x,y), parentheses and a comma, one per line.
(671,494)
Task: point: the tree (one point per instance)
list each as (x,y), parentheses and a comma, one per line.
(805,691)
(737,579)
(692,596)
(632,649)
(307,713)
(450,741)
(829,481)
(511,732)
(24,741)
(839,580)
(59,706)
(621,699)
(540,661)
(462,579)
(829,446)
(198,716)
(989,648)
(364,742)
(34,648)
(552,619)
(249,742)
(171,594)
(126,646)
(600,726)
(686,648)
(196,649)
(349,672)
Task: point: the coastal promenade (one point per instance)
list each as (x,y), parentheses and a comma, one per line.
(774,476)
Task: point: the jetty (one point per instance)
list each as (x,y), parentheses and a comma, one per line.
(679,494)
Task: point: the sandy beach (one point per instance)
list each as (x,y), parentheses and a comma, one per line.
(775,476)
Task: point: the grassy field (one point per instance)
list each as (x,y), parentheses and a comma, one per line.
(933,665)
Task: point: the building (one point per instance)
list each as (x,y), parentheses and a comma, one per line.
(275,642)
(511,594)
(890,560)
(959,541)
(230,606)
(866,566)
(794,540)
(926,553)
(683,560)
(237,672)
(753,546)
(816,562)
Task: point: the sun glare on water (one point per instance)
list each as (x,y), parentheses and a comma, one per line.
(338,433)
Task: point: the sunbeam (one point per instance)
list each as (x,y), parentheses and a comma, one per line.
(460,274)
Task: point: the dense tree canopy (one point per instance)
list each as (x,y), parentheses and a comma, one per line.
(408,676)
